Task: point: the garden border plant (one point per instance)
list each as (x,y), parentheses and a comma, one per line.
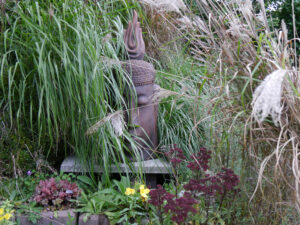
(203,196)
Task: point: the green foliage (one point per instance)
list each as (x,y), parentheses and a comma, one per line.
(56,77)
(239,52)
(17,150)
(179,113)
(21,188)
(15,154)
(6,213)
(61,54)
(30,210)
(284,12)
(87,184)
(113,202)
(60,75)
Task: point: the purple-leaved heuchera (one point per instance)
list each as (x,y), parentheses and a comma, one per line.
(52,193)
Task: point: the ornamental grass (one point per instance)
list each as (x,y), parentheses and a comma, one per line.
(248,92)
(253,75)
(228,80)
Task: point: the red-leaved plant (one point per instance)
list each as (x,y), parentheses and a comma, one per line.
(52,194)
(211,188)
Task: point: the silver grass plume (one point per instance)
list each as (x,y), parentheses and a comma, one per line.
(166,5)
(267,97)
(161,93)
(116,120)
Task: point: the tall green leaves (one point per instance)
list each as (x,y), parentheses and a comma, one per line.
(180,112)
(53,76)
(60,74)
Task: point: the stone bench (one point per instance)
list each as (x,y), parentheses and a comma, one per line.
(152,169)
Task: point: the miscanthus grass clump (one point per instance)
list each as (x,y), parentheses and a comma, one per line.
(56,80)
(253,77)
(248,91)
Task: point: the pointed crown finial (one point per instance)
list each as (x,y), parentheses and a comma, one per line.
(133,39)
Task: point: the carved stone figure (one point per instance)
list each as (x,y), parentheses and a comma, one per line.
(142,111)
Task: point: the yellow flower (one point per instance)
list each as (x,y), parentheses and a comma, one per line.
(129,191)
(144,192)
(7,216)
(1,218)
(1,211)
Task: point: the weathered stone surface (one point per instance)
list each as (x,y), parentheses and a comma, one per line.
(62,217)
(93,220)
(72,165)
(153,166)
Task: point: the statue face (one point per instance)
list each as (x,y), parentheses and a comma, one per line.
(143,116)
(142,112)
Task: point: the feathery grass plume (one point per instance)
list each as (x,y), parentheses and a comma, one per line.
(161,25)
(161,93)
(267,97)
(165,5)
(116,119)
(110,63)
(185,22)
(118,124)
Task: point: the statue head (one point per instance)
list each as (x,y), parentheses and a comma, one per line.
(142,113)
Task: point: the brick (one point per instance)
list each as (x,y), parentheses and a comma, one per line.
(93,220)
(48,218)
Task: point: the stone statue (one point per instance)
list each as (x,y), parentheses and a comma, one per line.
(142,111)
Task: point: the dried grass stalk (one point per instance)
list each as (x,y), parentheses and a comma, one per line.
(117,122)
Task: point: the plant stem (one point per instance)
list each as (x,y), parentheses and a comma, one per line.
(160,216)
(222,198)
(207,209)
